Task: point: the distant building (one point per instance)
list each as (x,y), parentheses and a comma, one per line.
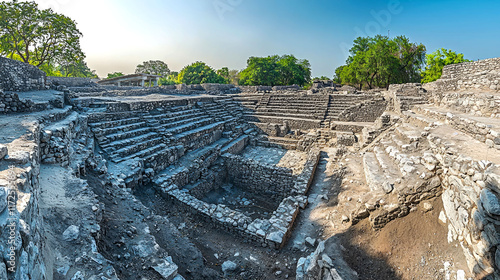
(139,80)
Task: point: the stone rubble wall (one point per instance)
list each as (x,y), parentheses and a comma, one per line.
(481,75)
(366,111)
(28,222)
(402,97)
(480,131)
(487,105)
(471,204)
(259,178)
(70,82)
(56,142)
(19,76)
(253,89)
(10,103)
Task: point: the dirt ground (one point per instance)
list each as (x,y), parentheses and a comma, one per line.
(412,247)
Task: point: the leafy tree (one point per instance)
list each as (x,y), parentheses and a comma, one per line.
(234,77)
(77,69)
(379,61)
(261,71)
(153,67)
(36,36)
(114,75)
(322,78)
(199,73)
(437,60)
(224,73)
(336,76)
(170,80)
(276,70)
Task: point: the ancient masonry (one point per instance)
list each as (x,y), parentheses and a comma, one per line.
(188,144)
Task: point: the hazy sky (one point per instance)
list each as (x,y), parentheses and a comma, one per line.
(119,34)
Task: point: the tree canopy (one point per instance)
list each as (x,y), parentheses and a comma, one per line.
(379,61)
(276,70)
(153,67)
(37,36)
(114,75)
(199,73)
(437,60)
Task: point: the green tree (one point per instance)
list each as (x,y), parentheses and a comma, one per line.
(38,37)
(234,77)
(379,61)
(76,69)
(114,75)
(437,60)
(199,73)
(224,73)
(153,67)
(336,76)
(275,70)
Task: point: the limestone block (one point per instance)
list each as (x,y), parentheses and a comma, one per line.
(3,151)
(490,202)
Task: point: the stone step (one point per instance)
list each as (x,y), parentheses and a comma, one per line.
(408,133)
(140,154)
(292,115)
(167,125)
(175,116)
(387,164)
(200,130)
(486,130)
(138,146)
(374,175)
(407,163)
(188,126)
(110,147)
(126,134)
(109,124)
(120,129)
(161,159)
(420,120)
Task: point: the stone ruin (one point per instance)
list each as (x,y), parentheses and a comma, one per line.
(98,172)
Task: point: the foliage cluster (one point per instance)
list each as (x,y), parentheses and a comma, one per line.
(276,70)
(379,61)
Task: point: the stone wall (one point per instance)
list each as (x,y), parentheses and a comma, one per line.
(484,105)
(10,103)
(56,141)
(471,204)
(255,88)
(366,111)
(70,82)
(24,221)
(19,76)
(481,75)
(265,179)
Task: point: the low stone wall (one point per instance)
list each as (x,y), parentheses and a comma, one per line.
(366,111)
(56,141)
(70,82)
(286,88)
(247,89)
(10,103)
(478,75)
(23,221)
(487,105)
(19,76)
(480,131)
(259,178)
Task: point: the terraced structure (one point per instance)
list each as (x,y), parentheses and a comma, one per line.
(220,182)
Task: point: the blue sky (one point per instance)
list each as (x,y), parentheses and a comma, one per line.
(119,34)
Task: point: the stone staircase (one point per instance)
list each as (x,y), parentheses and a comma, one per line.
(160,137)
(400,170)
